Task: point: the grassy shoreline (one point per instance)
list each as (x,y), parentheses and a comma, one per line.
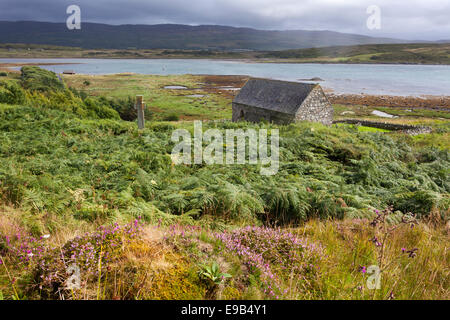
(428,54)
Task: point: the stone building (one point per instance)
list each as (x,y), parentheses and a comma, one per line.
(281,102)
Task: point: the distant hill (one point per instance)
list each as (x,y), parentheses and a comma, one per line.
(173,36)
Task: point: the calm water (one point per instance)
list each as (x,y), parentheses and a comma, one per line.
(342,78)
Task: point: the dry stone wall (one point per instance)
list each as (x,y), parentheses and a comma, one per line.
(408,129)
(316,108)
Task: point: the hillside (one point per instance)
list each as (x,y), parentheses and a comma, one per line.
(80,184)
(415,53)
(172,36)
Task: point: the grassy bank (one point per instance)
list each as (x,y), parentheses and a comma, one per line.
(79,184)
(416,53)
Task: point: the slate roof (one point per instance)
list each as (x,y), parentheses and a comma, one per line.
(280,96)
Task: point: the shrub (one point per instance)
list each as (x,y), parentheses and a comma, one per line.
(420,202)
(3,74)
(79,93)
(37,79)
(59,100)
(125,108)
(273,252)
(171,117)
(91,253)
(100,110)
(11,92)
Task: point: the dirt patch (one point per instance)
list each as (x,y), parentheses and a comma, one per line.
(154,109)
(224,81)
(221,84)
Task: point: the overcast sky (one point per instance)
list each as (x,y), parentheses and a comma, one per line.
(408,19)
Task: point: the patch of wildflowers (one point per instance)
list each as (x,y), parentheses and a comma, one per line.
(273,252)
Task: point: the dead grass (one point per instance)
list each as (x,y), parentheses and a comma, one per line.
(349,246)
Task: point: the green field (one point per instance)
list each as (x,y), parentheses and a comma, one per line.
(81,184)
(162,102)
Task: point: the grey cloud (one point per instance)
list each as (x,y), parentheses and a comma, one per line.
(409,19)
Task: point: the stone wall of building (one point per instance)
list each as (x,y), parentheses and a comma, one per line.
(252,114)
(316,108)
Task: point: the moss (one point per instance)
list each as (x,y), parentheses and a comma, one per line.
(179,282)
(231,293)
